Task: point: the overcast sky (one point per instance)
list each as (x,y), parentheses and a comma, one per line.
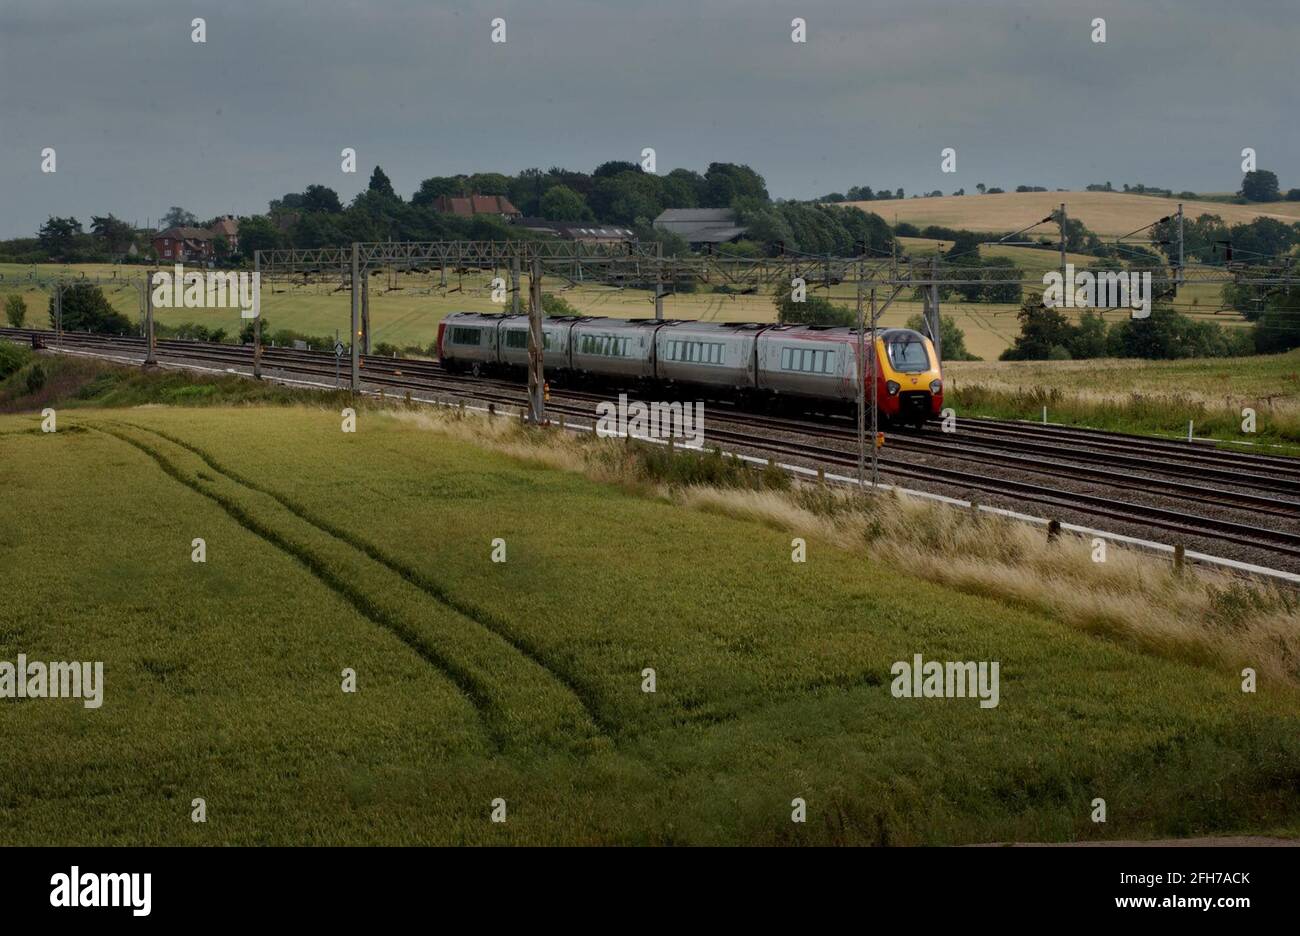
(142,118)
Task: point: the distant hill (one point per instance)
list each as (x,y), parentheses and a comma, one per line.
(1105,213)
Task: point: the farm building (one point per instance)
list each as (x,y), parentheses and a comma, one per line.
(701,226)
(470,205)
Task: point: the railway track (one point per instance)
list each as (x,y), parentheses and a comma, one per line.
(1161,468)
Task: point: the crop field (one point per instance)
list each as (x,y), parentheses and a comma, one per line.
(523,680)
(1105,213)
(1140,396)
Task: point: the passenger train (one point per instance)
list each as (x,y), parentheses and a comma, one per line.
(809,363)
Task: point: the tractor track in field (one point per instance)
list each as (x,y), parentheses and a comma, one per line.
(467,682)
(433,589)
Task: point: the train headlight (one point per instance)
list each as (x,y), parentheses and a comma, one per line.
(936,387)
(892,387)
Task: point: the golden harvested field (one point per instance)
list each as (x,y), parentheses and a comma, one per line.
(1105,213)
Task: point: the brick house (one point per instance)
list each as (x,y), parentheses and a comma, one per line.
(184,244)
(227,226)
(470,205)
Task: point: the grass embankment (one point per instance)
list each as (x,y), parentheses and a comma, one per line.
(523,679)
(39,380)
(1153,397)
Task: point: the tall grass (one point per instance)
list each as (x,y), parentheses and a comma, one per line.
(1133,411)
(1196,615)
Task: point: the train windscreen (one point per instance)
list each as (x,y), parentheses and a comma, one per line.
(907,355)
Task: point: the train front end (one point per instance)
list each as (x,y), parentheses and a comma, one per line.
(909,382)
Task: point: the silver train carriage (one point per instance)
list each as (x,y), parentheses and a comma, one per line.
(804,361)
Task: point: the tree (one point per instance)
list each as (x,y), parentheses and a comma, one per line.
(613,168)
(379,183)
(1260,186)
(561,203)
(814,310)
(730,181)
(1262,239)
(15,311)
(257,233)
(1089,339)
(247,331)
(627,197)
(489,183)
(437,187)
(1166,335)
(553,305)
(58,235)
(116,233)
(1041,329)
(177,216)
(683,188)
(86,308)
(1278,328)
(321,198)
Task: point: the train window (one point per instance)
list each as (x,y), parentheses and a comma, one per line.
(808,360)
(466,336)
(694,352)
(518,338)
(908,356)
(604,345)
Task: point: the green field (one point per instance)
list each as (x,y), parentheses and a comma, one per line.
(523,680)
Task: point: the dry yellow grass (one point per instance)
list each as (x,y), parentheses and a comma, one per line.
(1199,616)
(1105,213)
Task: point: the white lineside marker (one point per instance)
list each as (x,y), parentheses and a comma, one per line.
(1044,415)
(1189,430)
